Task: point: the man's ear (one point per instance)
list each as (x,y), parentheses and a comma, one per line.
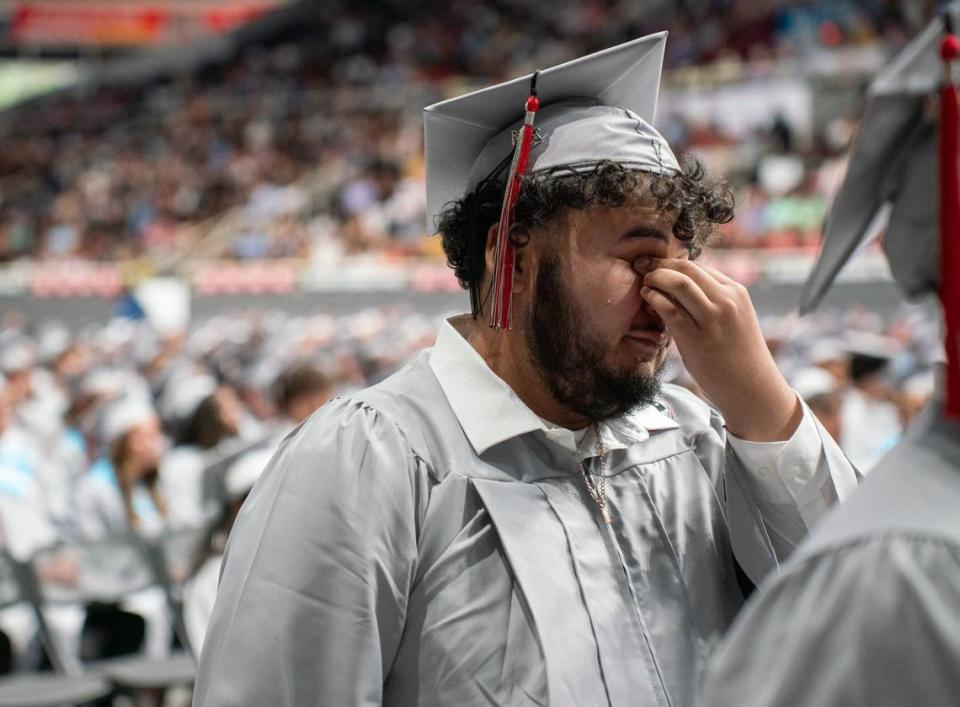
(491,249)
(519,271)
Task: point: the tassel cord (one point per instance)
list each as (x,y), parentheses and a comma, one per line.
(505,254)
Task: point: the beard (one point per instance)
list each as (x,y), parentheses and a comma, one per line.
(569,356)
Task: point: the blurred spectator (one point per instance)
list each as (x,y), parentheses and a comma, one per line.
(215,421)
(300,390)
(216,418)
(25,523)
(916,390)
(829,354)
(16,365)
(121,492)
(822,393)
(200,591)
(121,495)
(870,419)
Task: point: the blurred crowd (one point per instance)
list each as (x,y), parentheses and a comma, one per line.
(864,376)
(307,144)
(310,140)
(118,429)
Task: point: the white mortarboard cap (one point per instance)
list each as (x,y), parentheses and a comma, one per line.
(891,176)
(811,382)
(53,341)
(244,472)
(123,415)
(184,393)
(595,108)
(117,334)
(17,357)
(829,349)
(918,68)
(146,347)
(103,382)
(920,384)
(868,343)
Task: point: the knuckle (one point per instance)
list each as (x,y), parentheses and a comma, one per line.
(730,302)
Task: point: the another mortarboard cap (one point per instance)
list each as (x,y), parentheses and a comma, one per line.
(595,108)
(893,162)
(813,382)
(244,472)
(123,415)
(17,357)
(869,344)
(827,349)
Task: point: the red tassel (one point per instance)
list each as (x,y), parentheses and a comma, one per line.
(505,254)
(950,219)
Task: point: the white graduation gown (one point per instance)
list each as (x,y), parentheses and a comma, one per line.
(867,613)
(395,553)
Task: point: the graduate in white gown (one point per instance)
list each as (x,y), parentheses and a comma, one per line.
(299,390)
(867,612)
(121,495)
(523,514)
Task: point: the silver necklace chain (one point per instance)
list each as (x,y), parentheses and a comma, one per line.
(598,491)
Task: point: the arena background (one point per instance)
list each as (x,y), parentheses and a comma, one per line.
(235,187)
(283,153)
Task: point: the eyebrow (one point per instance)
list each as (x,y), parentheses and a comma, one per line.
(645,232)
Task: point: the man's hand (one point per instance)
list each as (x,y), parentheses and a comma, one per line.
(712,320)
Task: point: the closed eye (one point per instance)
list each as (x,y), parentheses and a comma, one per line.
(645,232)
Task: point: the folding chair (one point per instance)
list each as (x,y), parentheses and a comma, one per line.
(41,689)
(110,571)
(174,556)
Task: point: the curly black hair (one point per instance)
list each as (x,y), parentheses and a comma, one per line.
(698,203)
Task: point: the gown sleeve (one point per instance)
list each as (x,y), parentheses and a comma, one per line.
(795,482)
(771,493)
(319,565)
(873,624)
